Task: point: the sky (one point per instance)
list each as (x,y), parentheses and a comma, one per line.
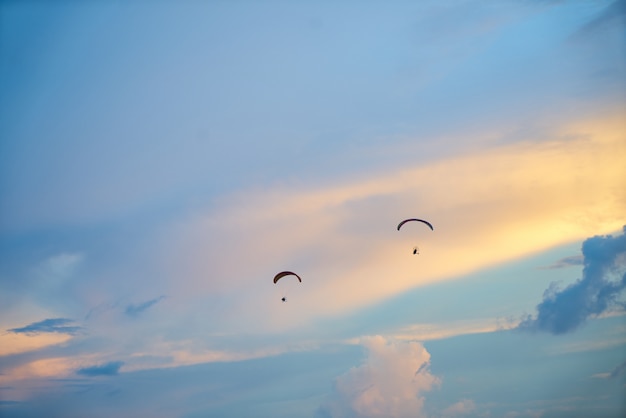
(161,162)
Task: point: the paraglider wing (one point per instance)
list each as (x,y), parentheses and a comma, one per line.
(286,273)
(417,220)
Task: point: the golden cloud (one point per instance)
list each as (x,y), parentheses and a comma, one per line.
(488,206)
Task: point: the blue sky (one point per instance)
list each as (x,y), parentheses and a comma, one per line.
(160,162)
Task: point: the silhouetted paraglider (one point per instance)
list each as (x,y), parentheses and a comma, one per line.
(283,274)
(416,249)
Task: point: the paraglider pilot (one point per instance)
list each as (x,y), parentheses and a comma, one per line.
(284,299)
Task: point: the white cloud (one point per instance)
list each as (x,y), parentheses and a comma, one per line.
(390,383)
(461,408)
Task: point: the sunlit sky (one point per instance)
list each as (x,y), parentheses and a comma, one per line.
(161,162)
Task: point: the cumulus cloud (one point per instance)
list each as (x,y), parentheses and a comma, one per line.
(564,310)
(51,325)
(108,369)
(390,383)
(134,310)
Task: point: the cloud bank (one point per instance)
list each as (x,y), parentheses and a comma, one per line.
(390,382)
(564,310)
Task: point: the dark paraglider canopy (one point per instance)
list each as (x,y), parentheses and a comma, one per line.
(286,273)
(415,220)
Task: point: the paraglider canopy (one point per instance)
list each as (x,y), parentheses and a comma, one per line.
(286,273)
(415,220)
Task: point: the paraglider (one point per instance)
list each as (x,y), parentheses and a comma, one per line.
(286,273)
(283,274)
(416,249)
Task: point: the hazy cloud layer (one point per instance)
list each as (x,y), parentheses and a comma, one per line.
(564,310)
(391,382)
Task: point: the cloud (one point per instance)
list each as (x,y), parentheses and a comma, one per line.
(488,206)
(108,369)
(51,325)
(135,310)
(461,408)
(618,371)
(100,309)
(15,343)
(390,382)
(60,265)
(442,330)
(615,14)
(564,310)
(574,260)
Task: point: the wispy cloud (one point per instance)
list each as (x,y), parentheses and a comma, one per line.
(426,332)
(108,369)
(101,309)
(574,260)
(564,310)
(15,343)
(135,310)
(618,371)
(62,264)
(51,325)
(615,14)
